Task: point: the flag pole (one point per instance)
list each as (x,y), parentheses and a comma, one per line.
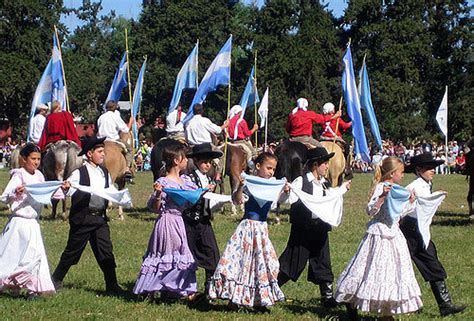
(62,67)
(197,67)
(255,98)
(227,117)
(337,126)
(132,120)
(446,136)
(266,131)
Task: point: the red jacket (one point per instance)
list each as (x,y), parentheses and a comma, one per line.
(243,129)
(301,122)
(58,126)
(329,127)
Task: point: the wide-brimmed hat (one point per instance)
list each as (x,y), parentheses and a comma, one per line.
(204,150)
(319,154)
(423,160)
(89,143)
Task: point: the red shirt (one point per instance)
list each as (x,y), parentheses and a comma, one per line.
(58,126)
(330,127)
(243,128)
(301,122)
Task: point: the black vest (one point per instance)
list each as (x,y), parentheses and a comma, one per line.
(300,215)
(80,200)
(202,210)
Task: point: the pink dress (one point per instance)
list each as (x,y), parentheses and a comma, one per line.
(23,261)
(380,278)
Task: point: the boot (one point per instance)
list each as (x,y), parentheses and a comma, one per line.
(110,278)
(207,284)
(327,300)
(59,274)
(351,312)
(441,293)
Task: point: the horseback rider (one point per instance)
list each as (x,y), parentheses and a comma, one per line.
(37,124)
(109,125)
(199,130)
(330,131)
(300,123)
(59,125)
(239,133)
(174,124)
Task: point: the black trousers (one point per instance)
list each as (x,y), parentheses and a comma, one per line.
(202,243)
(426,260)
(307,243)
(97,233)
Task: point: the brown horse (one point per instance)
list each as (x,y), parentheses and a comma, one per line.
(235,164)
(116,163)
(336,163)
(58,162)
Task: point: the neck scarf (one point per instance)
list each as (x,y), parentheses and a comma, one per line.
(396,201)
(182,197)
(262,189)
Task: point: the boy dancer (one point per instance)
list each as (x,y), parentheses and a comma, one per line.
(197,220)
(87,218)
(426,259)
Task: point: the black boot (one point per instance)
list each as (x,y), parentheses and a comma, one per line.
(282,279)
(59,274)
(441,293)
(351,312)
(110,278)
(327,300)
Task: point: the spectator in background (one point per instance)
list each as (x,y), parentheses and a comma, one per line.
(460,163)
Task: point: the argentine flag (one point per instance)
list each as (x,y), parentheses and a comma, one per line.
(218,74)
(57,78)
(351,96)
(250,95)
(187,78)
(137,98)
(120,81)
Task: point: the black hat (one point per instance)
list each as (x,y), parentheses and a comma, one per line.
(422,160)
(204,150)
(319,154)
(89,143)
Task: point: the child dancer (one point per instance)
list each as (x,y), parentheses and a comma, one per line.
(426,258)
(197,220)
(248,269)
(23,262)
(168,265)
(309,239)
(380,278)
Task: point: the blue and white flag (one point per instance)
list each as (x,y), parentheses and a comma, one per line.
(137,99)
(351,96)
(218,74)
(187,78)
(120,81)
(366,103)
(263,189)
(250,95)
(58,90)
(43,93)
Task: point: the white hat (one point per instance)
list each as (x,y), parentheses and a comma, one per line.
(235,110)
(302,103)
(42,106)
(328,108)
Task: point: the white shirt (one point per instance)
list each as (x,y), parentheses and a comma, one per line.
(421,188)
(110,125)
(199,129)
(318,186)
(171,125)
(37,125)
(97,180)
(203,178)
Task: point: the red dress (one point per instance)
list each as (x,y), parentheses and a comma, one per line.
(58,126)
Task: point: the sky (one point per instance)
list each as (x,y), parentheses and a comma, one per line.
(132,8)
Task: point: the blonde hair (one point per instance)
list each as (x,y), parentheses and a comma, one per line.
(382,172)
(56,107)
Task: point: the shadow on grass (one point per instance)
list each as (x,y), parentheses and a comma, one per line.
(448,214)
(453,222)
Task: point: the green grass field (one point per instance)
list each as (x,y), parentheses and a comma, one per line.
(83,297)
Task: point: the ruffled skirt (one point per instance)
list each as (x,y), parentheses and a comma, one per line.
(168,265)
(380,278)
(23,261)
(248,269)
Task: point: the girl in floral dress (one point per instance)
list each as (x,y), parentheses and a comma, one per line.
(380,278)
(248,269)
(168,266)
(23,261)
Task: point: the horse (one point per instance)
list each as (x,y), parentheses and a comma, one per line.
(116,162)
(336,164)
(291,159)
(58,162)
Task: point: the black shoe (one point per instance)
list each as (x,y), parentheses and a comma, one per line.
(329,302)
(449,308)
(115,290)
(58,285)
(441,293)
